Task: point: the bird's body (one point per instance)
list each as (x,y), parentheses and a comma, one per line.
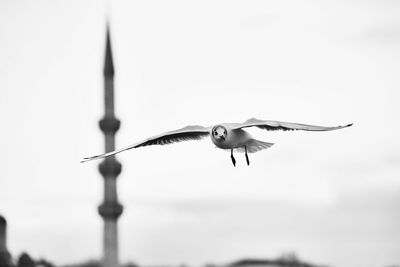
(237,139)
(228,136)
(234,138)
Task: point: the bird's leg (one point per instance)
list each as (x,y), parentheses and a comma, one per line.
(233,158)
(247,157)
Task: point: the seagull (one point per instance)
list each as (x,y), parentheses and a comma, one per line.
(227,136)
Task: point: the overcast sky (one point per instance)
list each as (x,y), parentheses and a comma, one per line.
(331,197)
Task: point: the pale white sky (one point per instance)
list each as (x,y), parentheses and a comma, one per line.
(332,197)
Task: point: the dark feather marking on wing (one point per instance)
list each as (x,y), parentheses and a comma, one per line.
(272,128)
(174,138)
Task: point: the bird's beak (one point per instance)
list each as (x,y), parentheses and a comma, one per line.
(222,138)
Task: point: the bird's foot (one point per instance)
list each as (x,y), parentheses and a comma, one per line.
(233,158)
(233,161)
(247,157)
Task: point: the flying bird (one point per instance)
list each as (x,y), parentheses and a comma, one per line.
(227,136)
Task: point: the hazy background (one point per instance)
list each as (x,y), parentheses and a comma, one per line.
(333,197)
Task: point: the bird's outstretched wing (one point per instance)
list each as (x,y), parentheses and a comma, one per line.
(184,134)
(284,126)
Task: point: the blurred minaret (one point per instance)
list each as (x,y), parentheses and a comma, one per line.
(5,257)
(110,168)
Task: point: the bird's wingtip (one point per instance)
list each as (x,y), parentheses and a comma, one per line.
(87,159)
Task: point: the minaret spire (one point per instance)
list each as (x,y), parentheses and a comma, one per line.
(108,63)
(110,168)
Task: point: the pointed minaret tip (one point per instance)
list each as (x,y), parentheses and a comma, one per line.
(108,62)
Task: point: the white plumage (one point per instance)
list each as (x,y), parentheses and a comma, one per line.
(230,136)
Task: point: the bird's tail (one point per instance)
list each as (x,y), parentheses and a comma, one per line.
(254,146)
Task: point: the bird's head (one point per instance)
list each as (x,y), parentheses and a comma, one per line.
(219,133)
